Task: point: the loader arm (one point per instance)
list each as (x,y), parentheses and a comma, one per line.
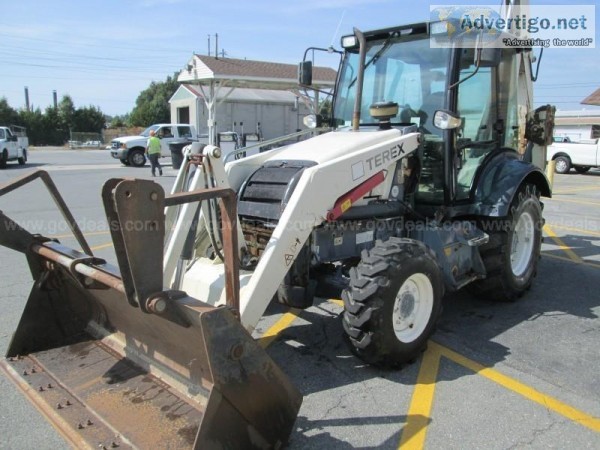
(112,359)
(319,189)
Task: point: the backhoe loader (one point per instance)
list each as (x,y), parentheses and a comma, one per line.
(425,185)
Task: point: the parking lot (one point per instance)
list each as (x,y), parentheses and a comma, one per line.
(499,376)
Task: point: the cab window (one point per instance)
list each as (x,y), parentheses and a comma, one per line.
(165,132)
(184,132)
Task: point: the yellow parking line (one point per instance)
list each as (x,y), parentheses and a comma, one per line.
(581,202)
(272,333)
(562,258)
(70,235)
(558,241)
(98,247)
(577,230)
(337,301)
(511,384)
(419,411)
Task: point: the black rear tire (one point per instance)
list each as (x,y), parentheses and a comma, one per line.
(3,159)
(23,159)
(582,169)
(393,302)
(511,256)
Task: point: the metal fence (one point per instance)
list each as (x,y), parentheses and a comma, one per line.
(85,140)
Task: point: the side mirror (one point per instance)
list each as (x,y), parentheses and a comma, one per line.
(539,127)
(305,73)
(446,120)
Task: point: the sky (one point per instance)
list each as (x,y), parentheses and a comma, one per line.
(104,53)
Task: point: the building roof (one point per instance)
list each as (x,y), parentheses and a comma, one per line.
(592,99)
(577,117)
(243,95)
(251,74)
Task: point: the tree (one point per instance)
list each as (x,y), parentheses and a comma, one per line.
(152,105)
(66,111)
(55,133)
(89,118)
(325,108)
(41,129)
(119,121)
(8,116)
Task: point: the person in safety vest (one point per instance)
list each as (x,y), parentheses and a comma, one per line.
(153,152)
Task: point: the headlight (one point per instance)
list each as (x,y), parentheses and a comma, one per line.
(445,120)
(310,121)
(349,41)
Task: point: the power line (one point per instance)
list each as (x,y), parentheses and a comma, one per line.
(144,48)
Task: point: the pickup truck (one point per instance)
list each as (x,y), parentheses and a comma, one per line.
(130,150)
(578,155)
(13,145)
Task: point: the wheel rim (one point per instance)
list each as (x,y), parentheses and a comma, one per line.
(412,307)
(138,159)
(523,240)
(561,165)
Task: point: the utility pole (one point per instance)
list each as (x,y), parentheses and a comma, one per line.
(209,45)
(27,98)
(216,45)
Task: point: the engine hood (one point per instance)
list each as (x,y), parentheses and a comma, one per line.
(332,145)
(129,139)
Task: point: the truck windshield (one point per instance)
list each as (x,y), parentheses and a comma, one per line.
(404,70)
(146,132)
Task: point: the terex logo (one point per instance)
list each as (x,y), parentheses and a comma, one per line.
(385,156)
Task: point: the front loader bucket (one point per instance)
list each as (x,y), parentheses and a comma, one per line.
(178,373)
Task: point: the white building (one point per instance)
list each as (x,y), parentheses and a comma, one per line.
(577,125)
(218,94)
(273,113)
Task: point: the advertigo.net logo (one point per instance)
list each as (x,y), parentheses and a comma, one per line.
(478,26)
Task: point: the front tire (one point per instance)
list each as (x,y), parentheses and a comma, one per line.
(393,302)
(137,158)
(563,164)
(512,253)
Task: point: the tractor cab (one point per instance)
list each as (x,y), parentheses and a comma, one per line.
(474,93)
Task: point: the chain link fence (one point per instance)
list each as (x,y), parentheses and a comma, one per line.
(85,140)
(91,140)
